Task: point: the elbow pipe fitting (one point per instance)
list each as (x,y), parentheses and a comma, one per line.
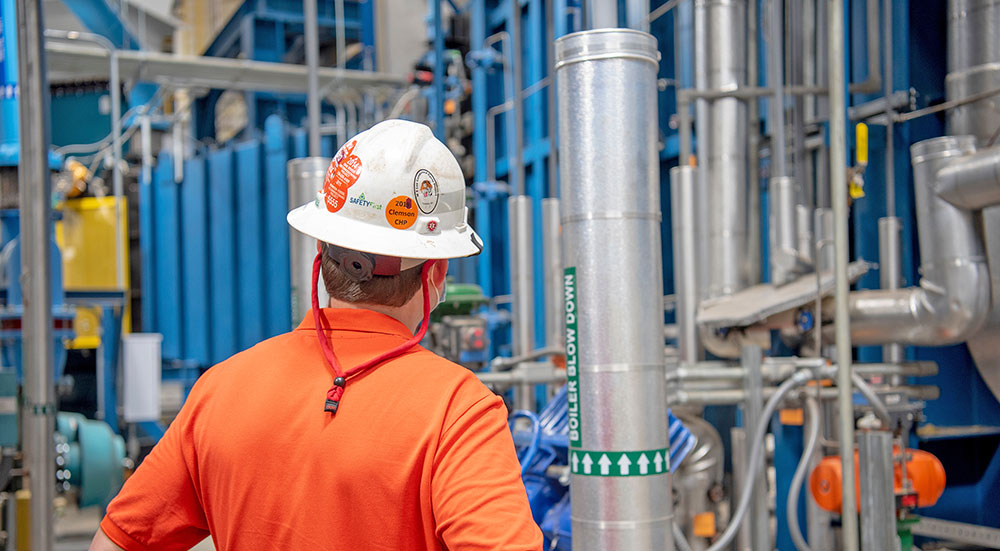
(973,182)
(952,302)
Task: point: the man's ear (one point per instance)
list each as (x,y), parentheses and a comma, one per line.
(439,271)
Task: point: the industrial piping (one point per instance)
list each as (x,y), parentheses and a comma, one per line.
(613,283)
(952,301)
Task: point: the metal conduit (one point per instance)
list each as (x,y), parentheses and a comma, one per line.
(611,246)
(682,185)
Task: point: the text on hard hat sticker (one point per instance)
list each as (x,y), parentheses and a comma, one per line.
(425,191)
(401,212)
(343,173)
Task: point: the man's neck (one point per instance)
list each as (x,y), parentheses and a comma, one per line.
(409,314)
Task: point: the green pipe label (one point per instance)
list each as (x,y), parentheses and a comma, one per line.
(572,373)
(640,463)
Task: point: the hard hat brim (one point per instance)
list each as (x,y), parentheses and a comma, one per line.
(360,236)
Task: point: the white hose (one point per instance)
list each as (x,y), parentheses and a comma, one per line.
(792,507)
(680,543)
(756,456)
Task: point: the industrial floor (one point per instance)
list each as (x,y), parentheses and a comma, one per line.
(75,528)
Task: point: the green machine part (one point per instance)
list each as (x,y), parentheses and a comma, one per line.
(8,409)
(904,527)
(461,299)
(94,458)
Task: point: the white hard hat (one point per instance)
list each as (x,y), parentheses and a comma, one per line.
(392,190)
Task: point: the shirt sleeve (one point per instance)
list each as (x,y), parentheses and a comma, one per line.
(159,508)
(478,497)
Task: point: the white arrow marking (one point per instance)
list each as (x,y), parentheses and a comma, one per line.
(624,463)
(576,463)
(643,463)
(605,464)
(658,462)
(587,462)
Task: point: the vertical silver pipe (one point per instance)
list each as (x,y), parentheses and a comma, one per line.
(803,229)
(552,244)
(39,408)
(603,14)
(753,257)
(341,31)
(842,288)
(776,80)
(751,358)
(823,222)
(887,85)
(703,135)
(637,14)
(878,500)
(610,206)
(118,187)
(890,274)
(515,165)
(305,177)
(312,74)
(146,141)
(782,229)
(521,288)
(738,455)
(726,154)
(683,180)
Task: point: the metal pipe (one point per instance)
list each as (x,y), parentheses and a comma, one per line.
(890,264)
(973,182)
(621,373)
(522,287)
(888,52)
(312,68)
(515,163)
(305,177)
(738,396)
(519,376)
(838,183)
(753,383)
(804,235)
(34,185)
(878,499)
(776,80)
(725,162)
(553,273)
(753,257)
(873,83)
(784,244)
(602,14)
(340,28)
(682,182)
(808,450)
(521,274)
(877,404)
(953,299)
(637,15)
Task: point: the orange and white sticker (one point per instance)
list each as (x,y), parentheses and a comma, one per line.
(401,213)
(343,173)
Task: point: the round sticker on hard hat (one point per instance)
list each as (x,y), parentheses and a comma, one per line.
(425,191)
(343,173)
(401,212)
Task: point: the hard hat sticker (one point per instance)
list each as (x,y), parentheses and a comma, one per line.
(401,212)
(425,191)
(343,173)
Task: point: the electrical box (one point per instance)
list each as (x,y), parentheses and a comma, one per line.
(141,362)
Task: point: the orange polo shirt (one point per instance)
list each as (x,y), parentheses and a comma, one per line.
(418,456)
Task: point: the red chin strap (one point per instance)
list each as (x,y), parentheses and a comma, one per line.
(336,392)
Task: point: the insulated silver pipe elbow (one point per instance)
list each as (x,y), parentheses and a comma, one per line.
(953,300)
(973,182)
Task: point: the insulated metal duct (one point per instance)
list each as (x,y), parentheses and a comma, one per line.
(683,180)
(613,287)
(784,240)
(953,299)
(720,30)
(974,66)
(305,178)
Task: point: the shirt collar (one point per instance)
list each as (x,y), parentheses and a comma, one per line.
(357,320)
